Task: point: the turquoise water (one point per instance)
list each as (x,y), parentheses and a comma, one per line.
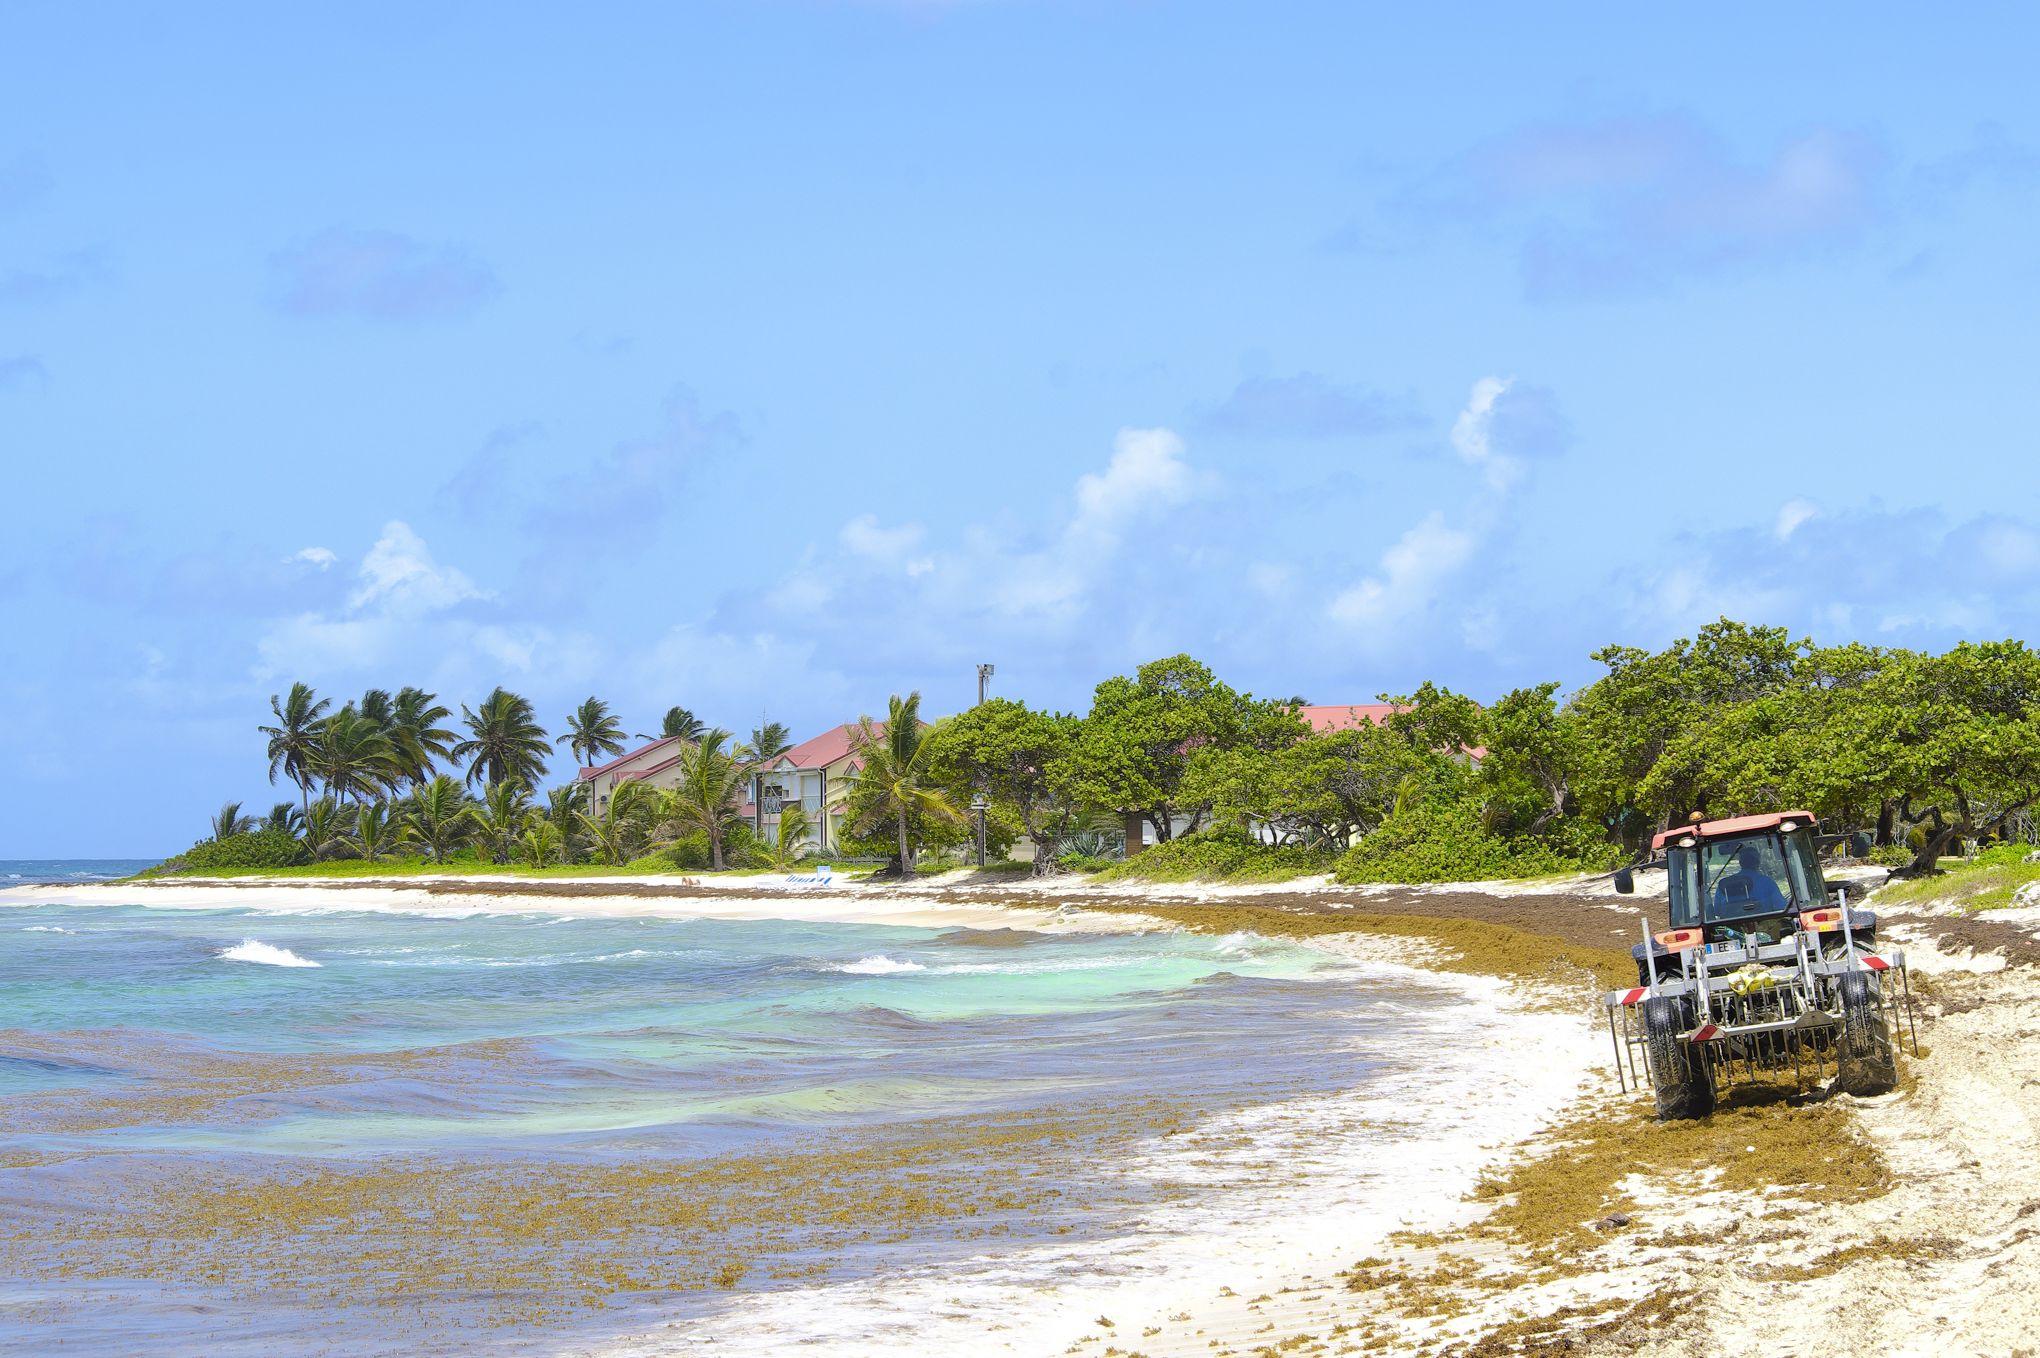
(133,1038)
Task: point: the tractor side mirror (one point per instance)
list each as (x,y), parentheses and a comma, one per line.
(1625,882)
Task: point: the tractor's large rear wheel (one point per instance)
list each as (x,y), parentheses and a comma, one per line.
(1678,1079)
(1863,1052)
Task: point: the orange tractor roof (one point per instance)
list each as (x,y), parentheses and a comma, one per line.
(1734,825)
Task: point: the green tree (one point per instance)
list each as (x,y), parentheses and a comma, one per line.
(768,741)
(324,831)
(439,816)
(498,818)
(505,742)
(230,822)
(379,831)
(539,844)
(1015,758)
(294,739)
(592,730)
(789,840)
(415,730)
(354,759)
(680,723)
(285,817)
(564,806)
(895,784)
(623,829)
(710,792)
(1135,748)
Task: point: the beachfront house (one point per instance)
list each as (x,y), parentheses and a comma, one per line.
(656,764)
(814,775)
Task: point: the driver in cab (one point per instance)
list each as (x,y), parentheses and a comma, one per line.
(1749,890)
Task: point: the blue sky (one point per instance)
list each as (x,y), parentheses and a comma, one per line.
(773,357)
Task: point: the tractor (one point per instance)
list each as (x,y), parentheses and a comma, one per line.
(1765,968)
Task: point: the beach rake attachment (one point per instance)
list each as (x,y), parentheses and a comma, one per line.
(1819,1005)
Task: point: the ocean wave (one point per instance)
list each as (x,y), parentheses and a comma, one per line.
(881,965)
(254,950)
(46,929)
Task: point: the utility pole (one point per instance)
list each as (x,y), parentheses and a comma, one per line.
(984,673)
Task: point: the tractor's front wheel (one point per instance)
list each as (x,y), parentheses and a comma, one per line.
(1677,1078)
(1863,1052)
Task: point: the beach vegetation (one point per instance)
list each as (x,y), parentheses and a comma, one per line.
(242,850)
(439,817)
(379,831)
(1220,854)
(1919,759)
(228,822)
(498,817)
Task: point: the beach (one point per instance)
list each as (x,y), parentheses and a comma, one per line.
(1367,1207)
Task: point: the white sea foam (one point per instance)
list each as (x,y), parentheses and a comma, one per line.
(46,929)
(254,950)
(880,965)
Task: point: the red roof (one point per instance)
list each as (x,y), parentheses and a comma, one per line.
(1349,717)
(1733,825)
(822,750)
(584,774)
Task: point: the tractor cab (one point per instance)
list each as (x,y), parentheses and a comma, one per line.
(1745,879)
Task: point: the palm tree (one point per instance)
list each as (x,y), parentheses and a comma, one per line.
(623,830)
(679,722)
(507,745)
(354,759)
(378,831)
(322,832)
(711,789)
(562,805)
(285,817)
(791,840)
(895,777)
(540,844)
(439,816)
(294,740)
(498,817)
(377,708)
(420,740)
(592,730)
(767,742)
(230,822)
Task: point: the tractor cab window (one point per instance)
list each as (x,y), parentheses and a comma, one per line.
(1682,886)
(1744,878)
(1808,887)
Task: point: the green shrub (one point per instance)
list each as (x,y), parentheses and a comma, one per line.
(2002,855)
(1219,854)
(1891,855)
(1448,841)
(1085,862)
(256,849)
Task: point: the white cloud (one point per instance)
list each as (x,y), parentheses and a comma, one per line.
(1409,576)
(1792,516)
(322,557)
(1473,435)
(863,536)
(400,575)
(1147,472)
